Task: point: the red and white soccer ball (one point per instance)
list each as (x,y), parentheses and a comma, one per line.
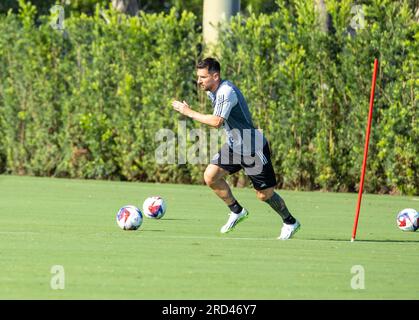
(154,207)
(408,220)
(129,218)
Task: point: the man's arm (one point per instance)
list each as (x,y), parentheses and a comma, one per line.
(209,119)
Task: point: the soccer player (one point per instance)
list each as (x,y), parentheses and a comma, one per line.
(246,148)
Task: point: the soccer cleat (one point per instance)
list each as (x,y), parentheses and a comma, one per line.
(233,220)
(288,230)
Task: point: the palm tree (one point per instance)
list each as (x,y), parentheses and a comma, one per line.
(325,20)
(126,6)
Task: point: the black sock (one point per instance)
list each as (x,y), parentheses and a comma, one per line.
(235,207)
(289,220)
(278,204)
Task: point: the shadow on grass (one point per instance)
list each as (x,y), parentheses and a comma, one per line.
(365,240)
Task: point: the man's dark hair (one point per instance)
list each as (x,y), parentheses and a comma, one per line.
(209,63)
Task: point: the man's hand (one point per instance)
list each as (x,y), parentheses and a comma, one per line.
(182,107)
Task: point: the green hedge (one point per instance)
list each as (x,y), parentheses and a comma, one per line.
(310,93)
(87,102)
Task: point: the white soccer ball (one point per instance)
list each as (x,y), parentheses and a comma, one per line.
(408,220)
(154,207)
(129,218)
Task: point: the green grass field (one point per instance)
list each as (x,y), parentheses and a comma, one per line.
(71,223)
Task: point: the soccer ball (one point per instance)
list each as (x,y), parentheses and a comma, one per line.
(129,218)
(408,220)
(154,207)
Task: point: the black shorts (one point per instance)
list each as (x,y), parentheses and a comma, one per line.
(258,166)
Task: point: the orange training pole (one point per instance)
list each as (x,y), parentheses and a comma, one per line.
(367,139)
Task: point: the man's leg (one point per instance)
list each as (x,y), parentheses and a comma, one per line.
(290,224)
(264,182)
(214,177)
(277,203)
